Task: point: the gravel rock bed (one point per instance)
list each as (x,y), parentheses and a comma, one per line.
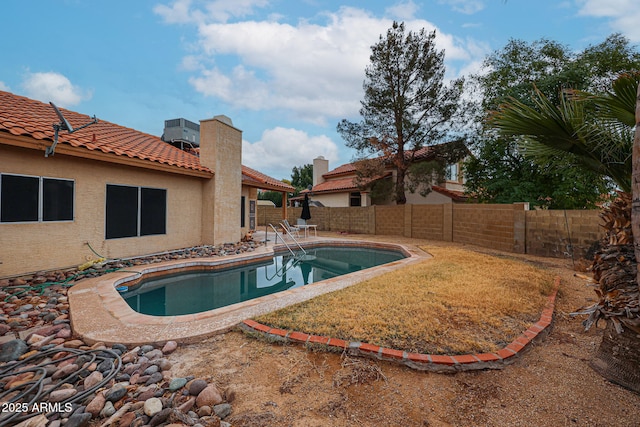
(51,378)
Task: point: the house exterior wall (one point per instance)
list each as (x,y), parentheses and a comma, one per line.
(29,247)
(454,185)
(335,200)
(341,200)
(433,198)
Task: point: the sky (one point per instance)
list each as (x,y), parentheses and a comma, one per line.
(285,71)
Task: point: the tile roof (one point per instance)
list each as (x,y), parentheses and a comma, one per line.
(27,117)
(335,185)
(455,195)
(341,184)
(257,179)
(350,168)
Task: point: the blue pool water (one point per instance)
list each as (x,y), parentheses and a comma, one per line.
(198,291)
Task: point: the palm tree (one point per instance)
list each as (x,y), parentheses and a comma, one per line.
(597,131)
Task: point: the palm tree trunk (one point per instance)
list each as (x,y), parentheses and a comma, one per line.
(618,358)
(635,186)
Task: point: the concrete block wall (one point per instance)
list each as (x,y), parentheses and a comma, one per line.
(340,219)
(390,220)
(489,226)
(555,233)
(428,222)
(510,228)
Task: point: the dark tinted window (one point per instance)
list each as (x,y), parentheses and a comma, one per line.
(122,211)
(19,198)
(153,211)
(242,210)
(57,199)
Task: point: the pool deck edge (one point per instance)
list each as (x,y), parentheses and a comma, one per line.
(100,314)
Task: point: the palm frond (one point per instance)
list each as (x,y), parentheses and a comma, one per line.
(620,103)
(597,138)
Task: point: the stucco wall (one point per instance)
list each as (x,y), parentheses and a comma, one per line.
(433,198)
(337,200)
(27,247)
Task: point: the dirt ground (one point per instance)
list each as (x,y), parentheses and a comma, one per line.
(551,384)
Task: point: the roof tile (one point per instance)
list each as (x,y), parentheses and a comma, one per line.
(27,117)
(336,185)
(350,168)
(453,194)
(260,178)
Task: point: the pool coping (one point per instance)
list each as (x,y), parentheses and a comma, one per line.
(100,314)
(421,361)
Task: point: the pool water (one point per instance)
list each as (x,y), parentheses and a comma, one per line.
(199,291)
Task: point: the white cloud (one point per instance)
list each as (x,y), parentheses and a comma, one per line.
(468,7)
(624,15)
(180,11)
(279,149)
(4,87)
(403,11)
(54,87)
(312,71)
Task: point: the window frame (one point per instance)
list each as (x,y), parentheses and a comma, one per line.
(40,199)
(353,196)
(139,217)
(453,167)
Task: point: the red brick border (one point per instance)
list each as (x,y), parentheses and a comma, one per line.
(430,362)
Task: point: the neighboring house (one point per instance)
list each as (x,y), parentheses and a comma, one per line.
(114,190)
(338,187)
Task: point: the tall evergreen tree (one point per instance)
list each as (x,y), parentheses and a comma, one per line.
(406,105)
(302,177)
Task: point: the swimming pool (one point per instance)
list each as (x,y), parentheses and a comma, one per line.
(100,314)
(203,289)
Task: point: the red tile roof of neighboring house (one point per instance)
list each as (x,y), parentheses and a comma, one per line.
(455,195)
(257,179)
(350,168)
(336,185)
(27,117)
(341,184)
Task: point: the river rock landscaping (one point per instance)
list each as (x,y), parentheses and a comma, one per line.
(51,378)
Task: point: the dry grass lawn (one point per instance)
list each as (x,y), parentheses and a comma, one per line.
(456,303)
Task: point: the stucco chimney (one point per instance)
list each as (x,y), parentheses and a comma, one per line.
(221,151)
(320,167)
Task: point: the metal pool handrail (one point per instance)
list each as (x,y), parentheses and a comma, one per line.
(285,243)
(285,267)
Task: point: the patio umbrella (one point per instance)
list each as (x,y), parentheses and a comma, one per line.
(306,212)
